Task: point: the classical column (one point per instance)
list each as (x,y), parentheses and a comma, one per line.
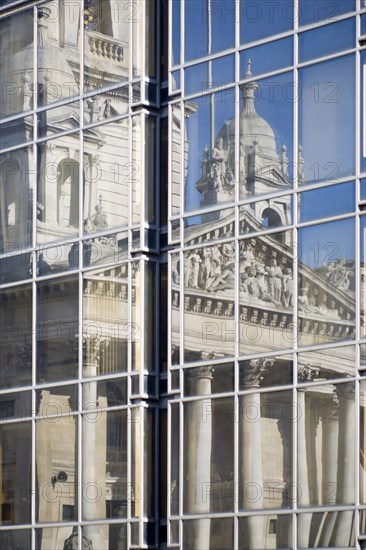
(93,441)
(251,444)
(346,463)
(305,374)
(329,420)
(199,432)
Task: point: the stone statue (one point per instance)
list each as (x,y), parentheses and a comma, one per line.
(72,543)
(274,273)
(219,159)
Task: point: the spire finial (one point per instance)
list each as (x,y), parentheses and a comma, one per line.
(248,72)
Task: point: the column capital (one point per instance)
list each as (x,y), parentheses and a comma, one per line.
(93,344)
(254,371)
(306,373)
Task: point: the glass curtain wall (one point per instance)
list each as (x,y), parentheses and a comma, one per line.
(266,299)
(78,282)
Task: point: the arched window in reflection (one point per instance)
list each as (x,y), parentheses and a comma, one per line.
(68,193)
(271,218)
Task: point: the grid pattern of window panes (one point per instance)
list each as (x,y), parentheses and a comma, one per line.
(266,295)
(77,283)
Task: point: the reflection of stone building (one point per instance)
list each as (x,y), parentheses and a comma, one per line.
(258,270)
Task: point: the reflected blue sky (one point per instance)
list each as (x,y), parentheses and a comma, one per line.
(312,11)
(327,201)
(327,40)
(325,243)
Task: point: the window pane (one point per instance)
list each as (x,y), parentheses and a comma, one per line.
(108,176)
(267,58)
(211,157)
(265,449)
(57,329)
(105,437)
(277,529)
(16,341)
(327,40)
(265,125)
(327,121)
(327,201)
(264,18)
(56,464)
(58,189)
(326,364)
(105,343)
(212,270)
(58,60)
(208,435)
(266,293)
(15,474)
(326,301)
(16,199)
(17,70)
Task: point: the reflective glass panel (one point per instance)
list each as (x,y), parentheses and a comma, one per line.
(106,324)
(222,379)
(210,178)
(327,201)
(16,340)
(108,175)
(197,18)
(327,40)
(15,268)
(266,293)
(327,121)
(209,286)
(104,460)
(331,529)
(58,189)
(15,474)
(176,157)
(51,403)
(57,329)
(265,449)
(270,371)
(223,71)
(265,125)
(16,199)
(175,459)
(215,534)
(326,364)
(326,450)
(208,434)
(175,11)
(108,41)
(20,538)
(196,79)
(15,405)
(54,538)
(58,60)
(56,467)
(16,132)
(175,309)
(60,119)
(269,214)
(262,18)
(200,230)
(17,64)
(326,300)
(271,531)
(267,58)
